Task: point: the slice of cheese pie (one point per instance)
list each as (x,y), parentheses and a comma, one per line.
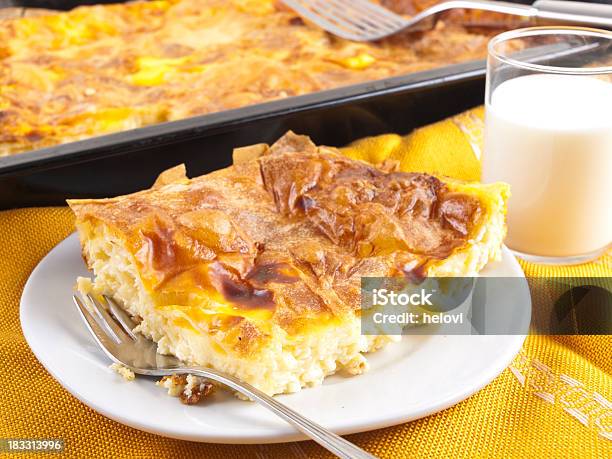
(255,269)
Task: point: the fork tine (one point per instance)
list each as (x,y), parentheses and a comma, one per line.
(121,316)
(99,334)
(107,320)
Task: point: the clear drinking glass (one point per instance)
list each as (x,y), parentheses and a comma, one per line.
(548,133)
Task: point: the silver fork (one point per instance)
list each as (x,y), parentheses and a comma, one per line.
(362,20)
(112,329)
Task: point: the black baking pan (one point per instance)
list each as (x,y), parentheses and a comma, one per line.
(129,161)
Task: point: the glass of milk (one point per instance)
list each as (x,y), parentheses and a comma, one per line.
(548,133)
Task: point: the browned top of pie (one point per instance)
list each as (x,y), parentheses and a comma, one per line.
(289,234)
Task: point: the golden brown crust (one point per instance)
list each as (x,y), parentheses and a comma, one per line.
(244,154)
(172,175)
(287,235)
(101,69)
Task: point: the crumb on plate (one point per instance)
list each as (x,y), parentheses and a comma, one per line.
(123,371)
(189,389)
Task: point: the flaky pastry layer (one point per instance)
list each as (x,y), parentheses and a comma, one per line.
(256,269)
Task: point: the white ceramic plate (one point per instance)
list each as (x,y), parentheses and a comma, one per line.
(408,380)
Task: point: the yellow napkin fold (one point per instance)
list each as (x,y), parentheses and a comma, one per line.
(552,402)
(449,147)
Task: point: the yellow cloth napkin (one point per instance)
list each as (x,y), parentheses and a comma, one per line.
(552,402)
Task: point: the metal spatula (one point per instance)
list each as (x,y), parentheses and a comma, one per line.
(361,20)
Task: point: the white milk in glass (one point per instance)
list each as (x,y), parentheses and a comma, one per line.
(550,137)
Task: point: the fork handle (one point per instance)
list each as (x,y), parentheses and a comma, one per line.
(327,439)
(590,14)
(546,11)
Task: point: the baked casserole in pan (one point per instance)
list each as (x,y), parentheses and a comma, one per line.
(102,69)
